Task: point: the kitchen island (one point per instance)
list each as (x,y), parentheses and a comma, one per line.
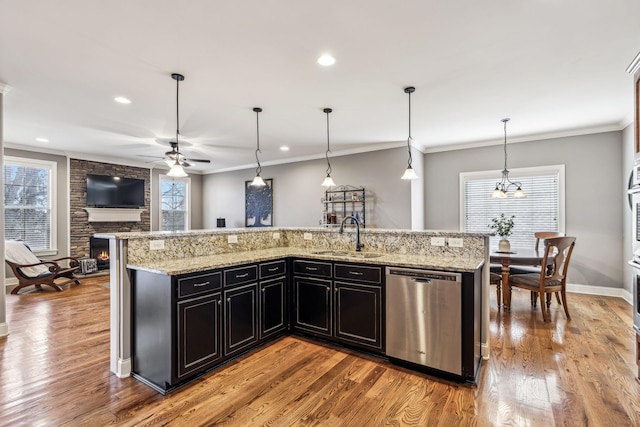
(195,252)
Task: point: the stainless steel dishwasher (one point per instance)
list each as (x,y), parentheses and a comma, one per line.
(424,318)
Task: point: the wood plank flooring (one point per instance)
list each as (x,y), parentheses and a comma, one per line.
(55,372)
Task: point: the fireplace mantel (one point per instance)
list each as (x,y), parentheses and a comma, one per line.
(114,214)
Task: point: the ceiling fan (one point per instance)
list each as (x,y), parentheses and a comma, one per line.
(174,158)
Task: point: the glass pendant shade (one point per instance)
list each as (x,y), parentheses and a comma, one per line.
(177,171)
(328,182)
(258,181)
(409,173)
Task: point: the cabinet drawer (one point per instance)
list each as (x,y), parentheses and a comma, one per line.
(272,269)
(312,268)
(359,273)
(235,276)
(199,284)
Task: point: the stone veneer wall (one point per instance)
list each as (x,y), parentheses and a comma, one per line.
(81,229)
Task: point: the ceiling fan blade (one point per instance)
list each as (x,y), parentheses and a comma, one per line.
(200,160)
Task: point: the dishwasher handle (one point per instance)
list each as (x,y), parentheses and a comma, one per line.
(419,280)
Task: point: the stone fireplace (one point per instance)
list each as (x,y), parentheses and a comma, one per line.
(81,228)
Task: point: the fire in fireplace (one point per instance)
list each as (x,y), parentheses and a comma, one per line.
(99,250)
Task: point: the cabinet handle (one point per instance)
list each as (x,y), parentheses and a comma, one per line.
(240,276)
(228,299)
(328,289)
(219,302)
(197,285)
(273,269)
(263,289)
(312,268)
(356,273)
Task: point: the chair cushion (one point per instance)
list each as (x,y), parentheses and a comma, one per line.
(532,279)
(19,253)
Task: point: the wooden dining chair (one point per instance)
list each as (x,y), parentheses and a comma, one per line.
(540,236)
(557,254)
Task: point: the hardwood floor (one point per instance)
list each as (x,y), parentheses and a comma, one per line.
(55,371)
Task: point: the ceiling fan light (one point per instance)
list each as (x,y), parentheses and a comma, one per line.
(328,182)
(177,171)
(258,181)
(409,173)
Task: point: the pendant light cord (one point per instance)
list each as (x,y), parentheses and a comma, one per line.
(177,111)
(259,168)
(409,90)
(326,154)
(505,171)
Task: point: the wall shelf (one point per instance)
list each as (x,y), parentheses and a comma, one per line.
(341,201)
(114,214)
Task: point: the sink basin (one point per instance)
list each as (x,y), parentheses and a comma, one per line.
(348,254)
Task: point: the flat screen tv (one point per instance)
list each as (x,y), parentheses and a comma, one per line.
(114,191)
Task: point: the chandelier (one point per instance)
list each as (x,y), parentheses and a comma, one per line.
(502,187)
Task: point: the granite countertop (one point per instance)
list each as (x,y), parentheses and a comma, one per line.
(195,264)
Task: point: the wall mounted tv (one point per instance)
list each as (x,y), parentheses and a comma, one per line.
(114,191)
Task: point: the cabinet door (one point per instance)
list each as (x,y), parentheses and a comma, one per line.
(358,316)
(241,318)
(313,305)
(198,332)
(272,307)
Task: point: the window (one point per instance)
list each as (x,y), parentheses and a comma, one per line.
(174,203)
(29,195)
(541,210)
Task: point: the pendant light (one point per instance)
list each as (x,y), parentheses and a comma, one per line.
(409,173)
(505,183)
(328,181)
(258,181)
(177,171)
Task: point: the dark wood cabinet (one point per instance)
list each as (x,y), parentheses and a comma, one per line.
(241,318)
(358,314)
(273,308)
(176,326)
(345,306)
(198,333)
(313,305)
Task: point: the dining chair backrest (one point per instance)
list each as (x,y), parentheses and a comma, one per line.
(560,248)
(542,235)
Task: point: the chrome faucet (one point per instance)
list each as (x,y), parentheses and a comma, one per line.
(359,245)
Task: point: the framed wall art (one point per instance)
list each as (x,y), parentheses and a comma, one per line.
(259,204)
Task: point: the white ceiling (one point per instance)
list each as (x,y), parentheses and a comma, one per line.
(555,67)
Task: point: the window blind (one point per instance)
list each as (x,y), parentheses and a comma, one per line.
(27,204)
(539,211)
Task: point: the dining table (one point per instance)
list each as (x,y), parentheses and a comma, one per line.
(523,257)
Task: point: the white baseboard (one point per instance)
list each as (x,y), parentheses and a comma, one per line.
(4,329)
(601,290)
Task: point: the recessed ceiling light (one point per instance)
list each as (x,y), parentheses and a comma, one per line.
(40,139)
(326,60)
(122,100)
(284,148)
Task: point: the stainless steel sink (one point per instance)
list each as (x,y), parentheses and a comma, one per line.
(348,254)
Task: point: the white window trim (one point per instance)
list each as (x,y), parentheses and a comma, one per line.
(518,173)
(186,180)
(53,194)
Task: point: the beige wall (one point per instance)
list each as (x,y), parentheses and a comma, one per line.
(297,190)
